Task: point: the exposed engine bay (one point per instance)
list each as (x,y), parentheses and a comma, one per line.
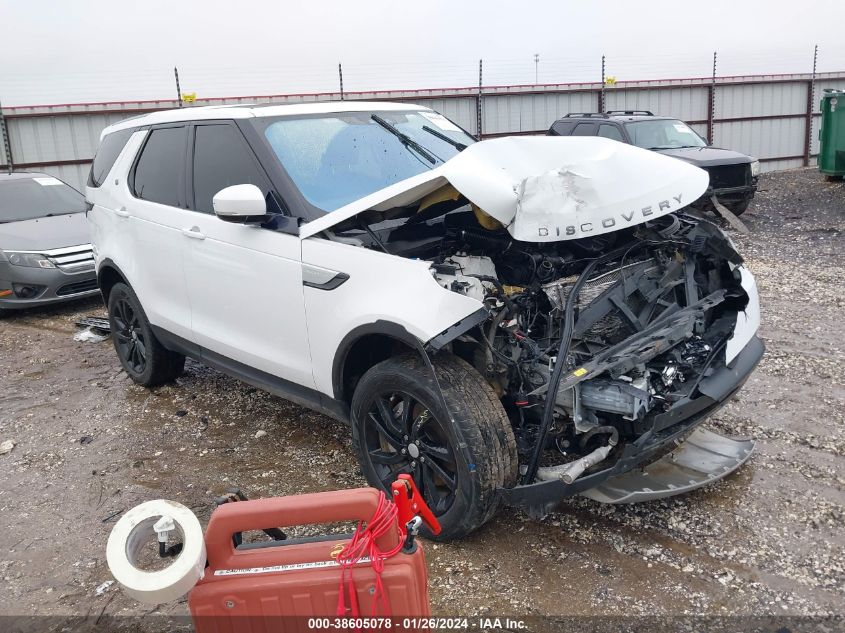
(640,316)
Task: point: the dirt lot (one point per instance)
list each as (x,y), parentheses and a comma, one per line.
(769,540)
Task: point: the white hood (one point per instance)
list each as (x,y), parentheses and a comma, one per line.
(547,188)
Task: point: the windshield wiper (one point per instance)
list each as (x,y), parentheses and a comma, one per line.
(675,147)
(406,140)
(456,144)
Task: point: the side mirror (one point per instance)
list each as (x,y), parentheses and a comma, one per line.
(240,203)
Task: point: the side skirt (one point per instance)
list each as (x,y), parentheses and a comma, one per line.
(304,396)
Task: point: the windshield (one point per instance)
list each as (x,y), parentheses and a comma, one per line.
(337,158)
(37,197)
(663,134)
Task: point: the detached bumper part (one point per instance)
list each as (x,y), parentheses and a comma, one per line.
(674,424)
(704,457)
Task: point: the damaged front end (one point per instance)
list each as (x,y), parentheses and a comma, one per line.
(611,321)
(645,327)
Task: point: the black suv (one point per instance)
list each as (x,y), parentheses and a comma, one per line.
(733,176)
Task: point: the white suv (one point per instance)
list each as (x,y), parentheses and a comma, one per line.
(373,262)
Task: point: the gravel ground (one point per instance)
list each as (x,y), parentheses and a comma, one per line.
(768,540)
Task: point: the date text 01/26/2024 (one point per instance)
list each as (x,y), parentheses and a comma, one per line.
(412,623)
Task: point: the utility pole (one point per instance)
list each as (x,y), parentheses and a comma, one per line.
(536,68)
(340,76)
(178,89)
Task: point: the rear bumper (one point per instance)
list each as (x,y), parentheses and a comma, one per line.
(715,391)
(51,286)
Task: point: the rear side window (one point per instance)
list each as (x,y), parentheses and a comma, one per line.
(610,131)
(160,170)
(562,128)
(585,129)
(107,154)
(222,159)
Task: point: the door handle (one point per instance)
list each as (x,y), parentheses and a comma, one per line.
(194,233)
(121,212)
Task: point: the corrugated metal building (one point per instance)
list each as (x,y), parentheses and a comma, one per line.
(772,117)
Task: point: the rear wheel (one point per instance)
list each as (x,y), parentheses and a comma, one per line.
(145,359)
(459,455)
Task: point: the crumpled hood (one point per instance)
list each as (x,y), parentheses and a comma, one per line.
(69,229)
(546,188)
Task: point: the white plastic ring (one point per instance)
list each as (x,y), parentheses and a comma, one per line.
(134,530)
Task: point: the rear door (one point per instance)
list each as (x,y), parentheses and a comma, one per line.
(156,210)
(244,281)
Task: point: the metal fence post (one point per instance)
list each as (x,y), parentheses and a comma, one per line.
(601,93)
(178,89)
(7,148)
(711,102)
(340,77)
(811,102)
(478,113)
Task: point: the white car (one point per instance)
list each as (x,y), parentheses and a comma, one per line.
(373,262)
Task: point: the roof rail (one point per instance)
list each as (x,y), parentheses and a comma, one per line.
(631,112)
(586,115)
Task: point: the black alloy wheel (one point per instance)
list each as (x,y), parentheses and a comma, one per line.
(403,436)
(129,336)
(443,424)
(142,356)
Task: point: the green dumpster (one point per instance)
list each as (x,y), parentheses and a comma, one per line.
(832,134)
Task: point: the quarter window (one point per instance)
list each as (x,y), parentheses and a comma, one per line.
(610,131)
(222,159)
(106,156)
(159,174)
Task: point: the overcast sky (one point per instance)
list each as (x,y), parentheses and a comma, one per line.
(99,50)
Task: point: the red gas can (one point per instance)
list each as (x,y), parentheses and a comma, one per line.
(283,586)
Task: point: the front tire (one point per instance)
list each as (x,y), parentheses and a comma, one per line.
(459,456)
(146,360)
